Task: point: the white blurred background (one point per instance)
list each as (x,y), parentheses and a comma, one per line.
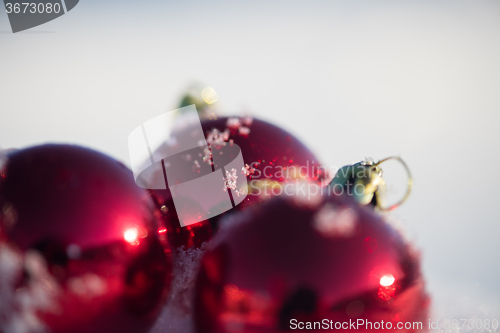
(352,79)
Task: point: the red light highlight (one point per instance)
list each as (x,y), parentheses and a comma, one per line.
(387,280)
(131,235)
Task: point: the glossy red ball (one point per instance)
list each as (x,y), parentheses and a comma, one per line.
(79,244)
(287,264)
(271,155)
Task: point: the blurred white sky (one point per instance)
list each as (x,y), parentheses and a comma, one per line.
(352,79)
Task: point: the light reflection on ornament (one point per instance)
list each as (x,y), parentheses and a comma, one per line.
(386,293)
(131,235)
(103,273)
(228,285)
(332,222)
(387,280)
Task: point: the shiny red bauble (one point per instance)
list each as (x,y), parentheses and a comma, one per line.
(271,155)
(313,264)
(79,245)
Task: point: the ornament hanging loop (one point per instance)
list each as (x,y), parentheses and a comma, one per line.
(409,184)
(368,175)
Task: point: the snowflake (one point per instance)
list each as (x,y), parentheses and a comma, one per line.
(247,170)
(196,167)
(233,122)
(244,131)
(208,156)
(230,180)
(247,120)
(240,192)
(216,138)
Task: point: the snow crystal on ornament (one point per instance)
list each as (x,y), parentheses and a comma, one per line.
(244,131)
(233,122)
(247,170)
(207,157)
(237,122)
(247,120)
(240,192)
(335,222)
(230,180)
(215,138)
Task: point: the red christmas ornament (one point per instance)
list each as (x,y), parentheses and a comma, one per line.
(312,264)
(271,155)
(79,245)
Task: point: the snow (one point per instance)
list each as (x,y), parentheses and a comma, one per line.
(18,307)
(176,316)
